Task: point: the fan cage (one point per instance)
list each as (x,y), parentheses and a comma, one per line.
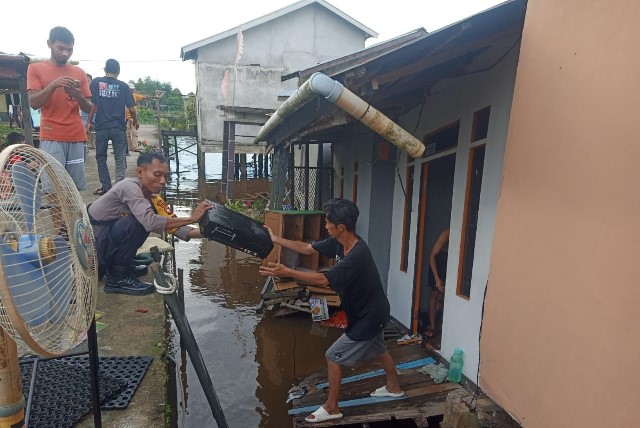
(48,265)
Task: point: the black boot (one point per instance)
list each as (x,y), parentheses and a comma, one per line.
(120,280)
(139,270)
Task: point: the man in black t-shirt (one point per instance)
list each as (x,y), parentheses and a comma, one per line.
(110,97)
(356,279)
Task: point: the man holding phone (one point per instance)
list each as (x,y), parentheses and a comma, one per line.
(58,89)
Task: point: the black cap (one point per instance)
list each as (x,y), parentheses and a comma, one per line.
(112,66)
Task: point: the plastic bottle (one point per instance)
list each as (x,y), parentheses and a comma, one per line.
(455,366)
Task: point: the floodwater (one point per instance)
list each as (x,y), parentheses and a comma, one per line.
(253,359)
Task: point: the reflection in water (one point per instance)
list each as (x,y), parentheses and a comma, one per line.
(253,360)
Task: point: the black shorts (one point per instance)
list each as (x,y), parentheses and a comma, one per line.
(441,266)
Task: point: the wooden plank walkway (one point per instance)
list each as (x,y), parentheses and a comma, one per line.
(424,397)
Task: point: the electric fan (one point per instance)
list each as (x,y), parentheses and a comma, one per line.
(48,268)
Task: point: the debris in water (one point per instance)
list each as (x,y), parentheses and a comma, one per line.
(296,392)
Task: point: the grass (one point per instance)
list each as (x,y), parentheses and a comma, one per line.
(4,130)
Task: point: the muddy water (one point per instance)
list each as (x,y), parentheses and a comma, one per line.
(253,360)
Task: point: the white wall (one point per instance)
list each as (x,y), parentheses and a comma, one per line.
(298,40)
(345,154)
(295,41)
(455,100)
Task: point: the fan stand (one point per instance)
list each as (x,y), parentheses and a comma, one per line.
(11,399)
(92,343)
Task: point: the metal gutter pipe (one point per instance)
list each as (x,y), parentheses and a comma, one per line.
(336,93)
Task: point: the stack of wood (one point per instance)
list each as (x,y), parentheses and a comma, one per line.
(285,295)
(314,292)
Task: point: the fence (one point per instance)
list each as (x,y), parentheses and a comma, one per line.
(312,187)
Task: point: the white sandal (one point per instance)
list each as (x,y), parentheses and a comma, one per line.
(322,415)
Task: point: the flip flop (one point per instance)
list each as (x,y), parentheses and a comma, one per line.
(384,392)
(322,415)
(99,192)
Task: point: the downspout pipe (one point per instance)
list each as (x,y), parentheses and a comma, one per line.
(334,92)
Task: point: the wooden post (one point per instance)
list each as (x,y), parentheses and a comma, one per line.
(266,165)
(200,159)
(254,159)
(165,145)
(10,384)
(243,166)
(306,177)
(26,111)
(279,173)
(158,113)
(225,155)
(231,151)
(320,177)
(175,145)
(292,172)
(259,165)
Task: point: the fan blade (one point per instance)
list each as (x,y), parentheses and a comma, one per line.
(25,184)
(26,285)
(59,279)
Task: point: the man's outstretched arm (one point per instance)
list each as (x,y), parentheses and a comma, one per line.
(281,271)
(297,246)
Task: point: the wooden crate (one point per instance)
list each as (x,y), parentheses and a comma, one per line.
(307,226)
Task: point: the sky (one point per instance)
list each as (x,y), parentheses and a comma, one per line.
(146,35)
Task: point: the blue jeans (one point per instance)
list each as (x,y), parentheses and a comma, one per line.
(118,137)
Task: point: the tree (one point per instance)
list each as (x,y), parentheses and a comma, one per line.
(178,110)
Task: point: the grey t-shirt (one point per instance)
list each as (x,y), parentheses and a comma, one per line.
(126,198)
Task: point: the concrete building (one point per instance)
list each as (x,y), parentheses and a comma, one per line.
(238,72)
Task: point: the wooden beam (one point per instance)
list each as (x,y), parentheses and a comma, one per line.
(26,111)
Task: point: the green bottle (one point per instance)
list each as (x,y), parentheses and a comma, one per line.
(455,366)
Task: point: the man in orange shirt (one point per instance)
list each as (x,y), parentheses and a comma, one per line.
(59,89)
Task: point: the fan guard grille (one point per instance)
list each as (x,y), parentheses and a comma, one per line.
(48,267)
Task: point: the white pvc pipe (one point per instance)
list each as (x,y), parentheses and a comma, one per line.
(336,93)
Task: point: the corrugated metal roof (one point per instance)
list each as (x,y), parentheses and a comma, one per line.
(339,65)
(13,68)
(397,78)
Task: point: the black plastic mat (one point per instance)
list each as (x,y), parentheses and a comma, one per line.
(62,393)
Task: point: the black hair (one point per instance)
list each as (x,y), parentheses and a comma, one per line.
(342,211)
(61,34)
(15,138)
(148,157)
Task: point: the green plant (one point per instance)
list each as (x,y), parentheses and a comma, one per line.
(254,209)
(4,130)
(146,115)
(236,205)
(177,110)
